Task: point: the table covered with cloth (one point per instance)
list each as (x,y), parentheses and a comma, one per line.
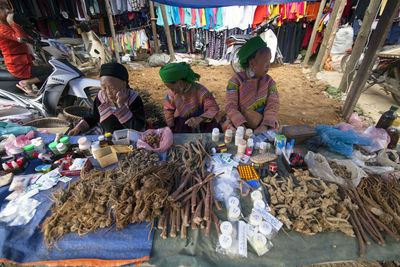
(290,248)
(105,247)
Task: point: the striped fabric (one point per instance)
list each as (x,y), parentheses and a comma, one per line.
(106,109)
(250,94)
(200,103)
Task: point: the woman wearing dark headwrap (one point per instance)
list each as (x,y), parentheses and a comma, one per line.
(116,106)
(252,99)
(189,106)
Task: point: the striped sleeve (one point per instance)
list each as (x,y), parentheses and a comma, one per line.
(232,102)
(169,108)
(208,103)
(123,113)
(272,107)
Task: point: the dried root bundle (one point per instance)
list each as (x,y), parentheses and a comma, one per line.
(135,192)
(191,201)
(310,206)
(153,140)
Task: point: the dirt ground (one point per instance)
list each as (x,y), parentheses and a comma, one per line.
(302,99)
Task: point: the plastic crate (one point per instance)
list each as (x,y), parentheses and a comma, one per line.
(122,137)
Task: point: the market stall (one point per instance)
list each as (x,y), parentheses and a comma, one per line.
(122,242)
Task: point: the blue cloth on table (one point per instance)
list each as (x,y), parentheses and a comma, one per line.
(14,128)
(24,244)
(341,141)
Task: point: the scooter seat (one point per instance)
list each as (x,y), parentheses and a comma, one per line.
(6,76)
(242,36)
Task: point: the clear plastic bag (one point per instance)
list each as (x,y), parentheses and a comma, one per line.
(319,167)
(20,182)
(233,239)
(359,159)
(166,141)
(259,200)
(380,139)
(19,211)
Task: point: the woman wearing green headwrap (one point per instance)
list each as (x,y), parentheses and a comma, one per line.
(189,106)
(252,99)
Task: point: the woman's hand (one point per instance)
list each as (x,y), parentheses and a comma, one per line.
(122,97)
(74,131)
(10,18)
(194,121)
(261,129)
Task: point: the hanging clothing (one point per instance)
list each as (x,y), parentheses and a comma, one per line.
(111,118)
(260,15)
(16,55)
(201,103)
(245,93)
(169,13)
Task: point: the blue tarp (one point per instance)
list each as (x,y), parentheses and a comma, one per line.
(25,244)
(221,3)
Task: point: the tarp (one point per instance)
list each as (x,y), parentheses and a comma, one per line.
(105,247)
(221,3)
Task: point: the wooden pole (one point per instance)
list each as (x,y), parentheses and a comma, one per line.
(329,35)
(377,40)
(111,22)
(153,27)
(167,33)
(359,45)
(314,33)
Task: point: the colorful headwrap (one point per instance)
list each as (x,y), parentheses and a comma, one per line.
(173,72)
(248,49)
(115,70)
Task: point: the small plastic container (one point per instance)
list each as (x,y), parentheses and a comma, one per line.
(122,137)
(94,147)
(62,148)
(105,156)
(225,241)
(233,202)
(263,148)
(259,242)
(228,136)
(265,228)
(215,135)
(240,129)
(242,147)
(29,150)
(234,213)
(250,146)
(256,195)
(255,219)
(251,230)
(108,136)
(226,228)
(238,138)
(39,145)
(53,148)
(260,204)
(65,140)
(249,134)
(84,146)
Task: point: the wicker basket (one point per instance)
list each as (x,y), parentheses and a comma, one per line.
(75,113)
(48,123)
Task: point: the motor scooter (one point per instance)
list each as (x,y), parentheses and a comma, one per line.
(264,30)
(65,86)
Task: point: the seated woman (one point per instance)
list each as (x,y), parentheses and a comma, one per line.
(16,55)
(252,99)
(189,107)
(116,106)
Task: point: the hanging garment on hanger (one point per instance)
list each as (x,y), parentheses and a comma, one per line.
(219,21)
(209,16)
(188,17)
(176,16)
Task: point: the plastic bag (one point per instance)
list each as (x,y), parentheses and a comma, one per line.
(343,40)
(20,210)
(359,159)
(233,239)
(341,141)
(20,182)
(319,167)
(166,141)
(380,139)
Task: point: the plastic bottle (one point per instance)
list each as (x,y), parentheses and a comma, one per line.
(29,150)
(394,133)
(238,138)
(65,140)
(250,146)
(39,145)
(62,148)
(387,118)
(215,135)
(249,134)
(263,148)
(242,147)
(95,146)
(102,141)
(228,136)
(108,137)
(84,146)
(53,148)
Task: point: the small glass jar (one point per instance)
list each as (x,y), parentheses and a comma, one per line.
(228,136)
